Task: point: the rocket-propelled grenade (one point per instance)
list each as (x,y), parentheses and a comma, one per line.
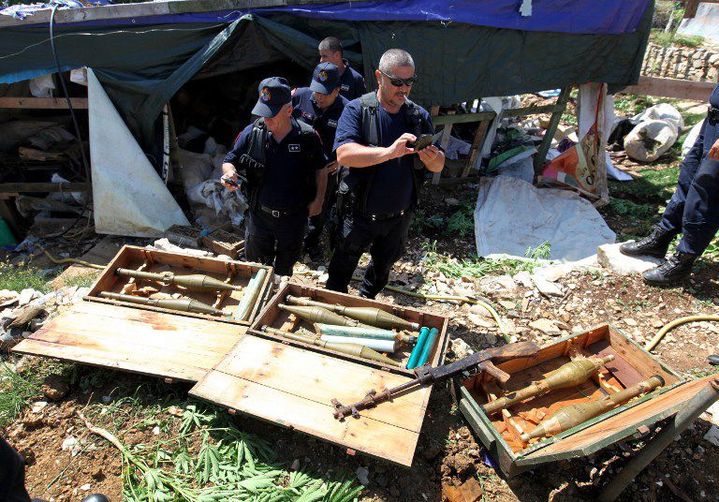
(571,374)
(367,315)
(320,315)
(194,282)
(182,304)
(575,414)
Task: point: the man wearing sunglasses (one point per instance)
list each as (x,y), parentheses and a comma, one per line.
(383,174)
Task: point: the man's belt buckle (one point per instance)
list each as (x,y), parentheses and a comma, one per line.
(275,213)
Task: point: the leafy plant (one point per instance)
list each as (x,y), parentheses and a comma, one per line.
(15,393)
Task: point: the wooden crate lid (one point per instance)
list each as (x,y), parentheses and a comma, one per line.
(140,341)
(293,387)
(618,426)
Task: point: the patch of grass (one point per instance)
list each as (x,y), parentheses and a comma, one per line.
(82,281)
(461,223)
(19,278)
(480,267)
(625,207)
(668,38)
(15,392)
(206,458)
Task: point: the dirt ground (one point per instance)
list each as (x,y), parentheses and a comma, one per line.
(66,461)
(447,453)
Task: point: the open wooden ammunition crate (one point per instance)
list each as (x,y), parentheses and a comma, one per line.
(147,339)
(147,260)
(275,317)
(500,432)
(292,383)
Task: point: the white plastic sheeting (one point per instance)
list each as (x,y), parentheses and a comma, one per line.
(512,215)
(129,197)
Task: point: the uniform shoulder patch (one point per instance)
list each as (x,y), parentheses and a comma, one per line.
(293,147)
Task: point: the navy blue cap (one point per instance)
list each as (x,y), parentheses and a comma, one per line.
(325,79)
(274,93)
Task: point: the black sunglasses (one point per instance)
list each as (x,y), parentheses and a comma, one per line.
(399,82)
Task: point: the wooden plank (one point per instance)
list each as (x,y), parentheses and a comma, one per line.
(561,104)
(135,340)
(321,378)
(43,187)
(31,103)
(619,426)
(476,147)
(671,88)
(462,118)
(365,435)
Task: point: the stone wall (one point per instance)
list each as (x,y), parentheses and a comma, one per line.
(696,64)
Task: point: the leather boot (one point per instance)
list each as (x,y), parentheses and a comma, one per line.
(677,267)
(654,244)
(96,497)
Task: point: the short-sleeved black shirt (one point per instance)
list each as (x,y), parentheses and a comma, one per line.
(288,166)
(323,121)
(392,187)
(352,84)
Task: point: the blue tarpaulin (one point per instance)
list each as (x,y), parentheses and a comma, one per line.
(591,17)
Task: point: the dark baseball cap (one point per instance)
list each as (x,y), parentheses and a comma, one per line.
(274,93)
(325,79)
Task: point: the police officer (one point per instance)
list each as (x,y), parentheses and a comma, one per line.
(693,210)
(320,105)
(352,84)
(282,160)
(381,188)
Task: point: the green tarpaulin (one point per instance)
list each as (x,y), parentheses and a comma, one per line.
(143,66)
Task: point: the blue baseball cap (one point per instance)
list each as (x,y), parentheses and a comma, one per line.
(274,93)
(325,79)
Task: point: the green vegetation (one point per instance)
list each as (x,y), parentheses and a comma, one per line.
(15,393)
(667,38)
(83,280)
(201,456)
(19,278)
(479,267)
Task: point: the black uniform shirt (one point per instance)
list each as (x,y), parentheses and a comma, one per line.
(323,121)
(352,84)
(392,186)
(287,167)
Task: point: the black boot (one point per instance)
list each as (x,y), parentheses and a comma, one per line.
(655,244)
(677,267)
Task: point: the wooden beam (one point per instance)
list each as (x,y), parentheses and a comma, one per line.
(541,155)
(42,103)
(476,147)
(43,187)
(443,142)
(671,88)
(462,118)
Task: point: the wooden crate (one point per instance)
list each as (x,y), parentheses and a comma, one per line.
(500,432)
(277,318)
(144,339)
(292,384)
(148,260)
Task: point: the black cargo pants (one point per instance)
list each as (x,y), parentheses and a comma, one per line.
(12,475)
(275,241)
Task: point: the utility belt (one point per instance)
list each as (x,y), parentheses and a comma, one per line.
(713,114)
(384,216)
(276,213)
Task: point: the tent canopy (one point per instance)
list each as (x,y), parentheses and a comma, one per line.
(463,49)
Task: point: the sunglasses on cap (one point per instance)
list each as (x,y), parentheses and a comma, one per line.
(399,82)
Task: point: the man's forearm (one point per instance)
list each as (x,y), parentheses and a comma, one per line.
(321,179)
(356,155)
